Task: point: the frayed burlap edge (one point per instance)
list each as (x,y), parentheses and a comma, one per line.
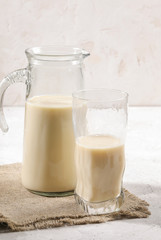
(133,207)
(141,211)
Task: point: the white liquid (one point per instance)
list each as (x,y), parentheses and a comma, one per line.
(48,161)
(100,165)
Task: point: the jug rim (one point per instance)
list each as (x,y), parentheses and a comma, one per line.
(56,53)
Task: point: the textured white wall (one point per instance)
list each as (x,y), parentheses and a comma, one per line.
(123,36)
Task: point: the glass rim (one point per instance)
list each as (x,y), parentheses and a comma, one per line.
(56,52)
(77,95)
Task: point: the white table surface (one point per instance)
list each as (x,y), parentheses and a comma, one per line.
(142,177)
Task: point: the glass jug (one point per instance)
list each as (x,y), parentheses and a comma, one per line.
(53,73)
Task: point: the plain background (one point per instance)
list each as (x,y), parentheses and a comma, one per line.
(123,37)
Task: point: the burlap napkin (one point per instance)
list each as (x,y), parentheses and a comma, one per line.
(21,210)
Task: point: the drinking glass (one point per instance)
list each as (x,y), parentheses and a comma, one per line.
(99,120)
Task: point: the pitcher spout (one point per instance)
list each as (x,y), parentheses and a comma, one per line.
(85,53)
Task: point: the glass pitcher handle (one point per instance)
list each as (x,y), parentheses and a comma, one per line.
(21,75)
